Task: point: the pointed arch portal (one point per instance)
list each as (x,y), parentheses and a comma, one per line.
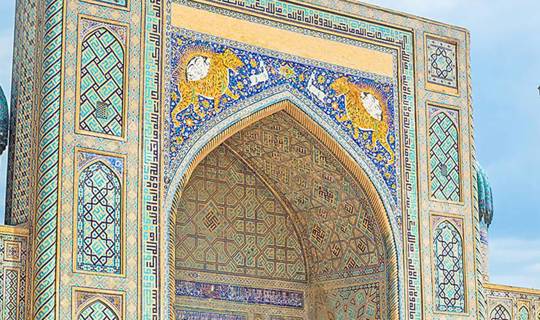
(273,214)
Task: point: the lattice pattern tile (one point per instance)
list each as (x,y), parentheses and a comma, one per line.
(441,62)
(499,313)
(99,213)
(102,78)
(449,272)
(444,155)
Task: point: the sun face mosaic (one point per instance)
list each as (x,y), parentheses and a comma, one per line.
(209,77)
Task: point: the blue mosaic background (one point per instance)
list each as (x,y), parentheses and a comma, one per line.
(299,75)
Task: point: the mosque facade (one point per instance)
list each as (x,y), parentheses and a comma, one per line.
(244,160)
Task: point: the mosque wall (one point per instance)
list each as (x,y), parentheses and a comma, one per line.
(506,302)
(117,136)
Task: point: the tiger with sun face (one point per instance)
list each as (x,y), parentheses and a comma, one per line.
(203,72)
(365,111)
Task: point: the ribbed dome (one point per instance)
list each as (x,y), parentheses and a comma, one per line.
(4,121)
(485,196)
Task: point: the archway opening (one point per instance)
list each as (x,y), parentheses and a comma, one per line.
(276,222)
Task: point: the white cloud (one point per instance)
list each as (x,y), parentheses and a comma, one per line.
(515,261)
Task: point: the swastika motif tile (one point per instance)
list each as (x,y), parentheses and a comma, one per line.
(441,62)
(102,65)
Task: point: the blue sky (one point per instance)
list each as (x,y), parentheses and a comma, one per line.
(506,73)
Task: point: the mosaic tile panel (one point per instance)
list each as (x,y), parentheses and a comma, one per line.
(99,213)
(449,272)
(102,83)
(232,293)
(13,275)
(444,154)
(441,62)
(207,315)
(212,77)
(229,222)
(499,313)
(94,304)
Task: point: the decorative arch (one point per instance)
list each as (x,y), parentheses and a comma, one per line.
(298,110)
(523,313)
(102,81)
(99,219)
(500,313)
(97,309)
(449,268)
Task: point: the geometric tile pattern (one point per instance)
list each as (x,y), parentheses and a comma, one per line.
(523,313)
(499,313)
(207,315)
(97,311)
(13,275)
(332,213)
(93,304)
(228,222)
(102,82)
(444,158)
(12,251)
(47,211)
(449,273)
(441,64)
(99,214)
(226,292)
(10,310)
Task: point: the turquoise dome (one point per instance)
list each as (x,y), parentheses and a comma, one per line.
(485,196)
(4,121)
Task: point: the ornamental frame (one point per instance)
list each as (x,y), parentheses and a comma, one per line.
(78,150)
(125,85)
(436,87)
(436,218)
(408,108)
(430,103)
(108,5)
(120,294)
